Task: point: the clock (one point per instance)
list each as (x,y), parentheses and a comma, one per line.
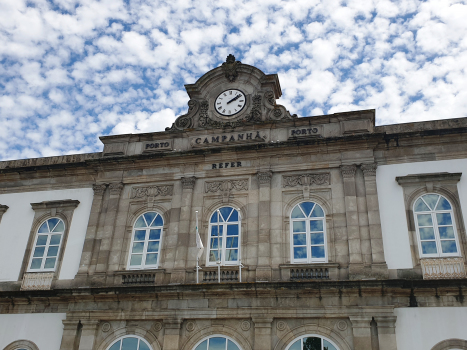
(230,102)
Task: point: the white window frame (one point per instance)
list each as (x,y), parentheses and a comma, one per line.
(143,266)
(433,213)
(310,336)
(217,336)
(309,259)
(224,239)
(46,249)
(130,336)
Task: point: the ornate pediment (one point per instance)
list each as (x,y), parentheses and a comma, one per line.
(230,96)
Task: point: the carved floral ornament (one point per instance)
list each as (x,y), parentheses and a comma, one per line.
(151,191)
(226,186)
(99,189)
(116,188)
(230,68)
(188,183)
(264,177)
(306,180)
(348,171)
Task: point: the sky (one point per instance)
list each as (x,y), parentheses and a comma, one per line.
(73,70)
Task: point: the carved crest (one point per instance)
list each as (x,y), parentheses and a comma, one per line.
(230,68)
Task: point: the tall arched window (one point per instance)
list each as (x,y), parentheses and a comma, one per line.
(217,342)
(47,245)
(146,241)
(312,342)
(308,233)
(224,237)
(131,342)
(436,229)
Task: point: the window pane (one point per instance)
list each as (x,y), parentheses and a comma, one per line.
(36,263)
(213,255)
(153,246)
(328,346)
(116,346)
(307,206)
(214,230)
(60,227)
(214,217)
(297,345)
(297,213)
(217,344)
(202,346)
(312,343)
(49,263)
(232,230)
(138,247)
(231,254)
(151,259)
(446,232)
(158,221)
(317,212)
(44,228)
(444,219)
(214,243)
(429,247)
(232,242)
(231,346)
(136,259)
(55,239)
(299,226)
(443,204)
(316,225)
(299,253)
(149,218)
(143,346)
(52,223)
(130,344)
(53,251)
(427,233)
(155,234)
(448,246)
(317,238)
(431,200)
(424,220)
(140,222)
(421,206)
(299,239)
(233,216)
(41,240)
(225,212)
(317,252)
(39,252)
(140,235)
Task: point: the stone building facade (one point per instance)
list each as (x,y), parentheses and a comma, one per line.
(323,232)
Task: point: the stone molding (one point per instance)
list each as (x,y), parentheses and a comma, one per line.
(264,177)
(226,186)
(451,344)
(99,189)
(360,321)
(369,169)
(116,188)
(22,344)
(306,180)
(188,183)
(415,179)
(60,204)
(386,321)
(151,191)
(348,171)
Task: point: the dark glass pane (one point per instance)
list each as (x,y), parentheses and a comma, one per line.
(53,251)
(429,247)
(297,345)
(307,206)
(136,259)
(149,218)
(444,219)
(130,344)
(232,230)
(143,346)
(214,217)
(446,232)
(317,252)
(151,259)
(55,239)
(44,228)
(52,223)
(60,227)
(427,233)
(443,204)
(41,240)
(312,343)
(448,247)
(217,343)
(36,264)
(214,231)
(431,200)
(231,255)
(231,345)
(317,238)
(316,225)
(158,221)
(232,242)
(39,252)
(140,222)
(138,247)
(49,263)
(153,246)
(202,346)
(140,235)
(317,212)
(297,213)
(328,346)
(233,216)
(225,212)
(299,253)
(299,239)
(299,226)
(116,346)
(424,220)
(421,206)
(155,234)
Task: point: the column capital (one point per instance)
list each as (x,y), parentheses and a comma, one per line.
(263,322)
(188,183)
(360,321)
(89,324)
(70,324)
(116,188)
(264,177)
(172,323)
(369,169)
(386,321)
(99,189)
(348,171)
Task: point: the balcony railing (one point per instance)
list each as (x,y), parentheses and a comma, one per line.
(309,274)
(226,276)
(37,281)
(443,268)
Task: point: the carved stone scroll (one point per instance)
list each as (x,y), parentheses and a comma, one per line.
(226,186)
(306,180)
(151,191)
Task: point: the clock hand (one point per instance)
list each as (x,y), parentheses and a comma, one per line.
(235,98)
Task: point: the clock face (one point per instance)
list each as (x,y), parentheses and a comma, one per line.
(230,102)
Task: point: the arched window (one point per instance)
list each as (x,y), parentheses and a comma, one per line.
(308,233)
(224,237)
(131,342)
(312,342)
(47,245)
(436,229)
(217,342)
(146,241)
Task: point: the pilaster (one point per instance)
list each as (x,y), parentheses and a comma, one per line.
(172,334)
(70,330)
(386,332)
(263,270)
(361,329)
(263,328)
(88,334)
